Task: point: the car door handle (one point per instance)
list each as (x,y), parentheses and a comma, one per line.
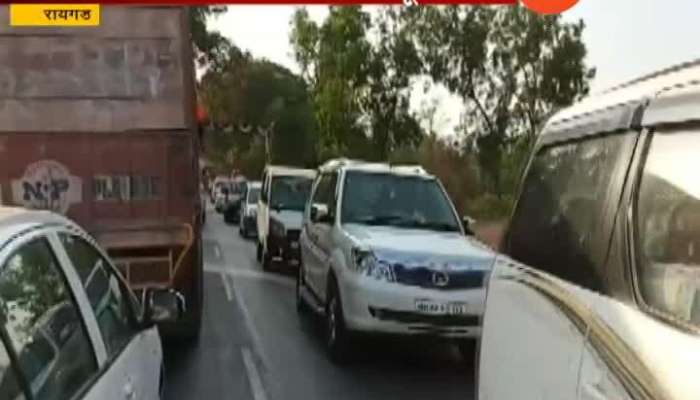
(129,391)
(591,391)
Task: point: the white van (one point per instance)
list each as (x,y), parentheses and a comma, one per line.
(280,211)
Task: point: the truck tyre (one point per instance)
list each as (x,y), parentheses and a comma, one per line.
(338,337)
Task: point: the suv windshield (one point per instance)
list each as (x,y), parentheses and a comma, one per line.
(290,192)
(394,200)
(253,195)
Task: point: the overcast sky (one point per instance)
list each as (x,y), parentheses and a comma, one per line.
(625,39)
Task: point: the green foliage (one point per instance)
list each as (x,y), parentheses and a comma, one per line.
(249,98)
(360,90)
(512,68)
(210,46)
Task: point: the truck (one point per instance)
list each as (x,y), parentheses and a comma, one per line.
(99,124)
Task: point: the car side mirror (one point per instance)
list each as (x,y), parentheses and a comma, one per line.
(468,223)
(319,213)
(162,305)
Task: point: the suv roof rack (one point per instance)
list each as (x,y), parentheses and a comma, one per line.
(409,168)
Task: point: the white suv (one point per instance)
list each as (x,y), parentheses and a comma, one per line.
(383,251)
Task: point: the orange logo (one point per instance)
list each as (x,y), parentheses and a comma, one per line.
(549,6)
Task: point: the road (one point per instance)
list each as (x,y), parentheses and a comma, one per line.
(255,346)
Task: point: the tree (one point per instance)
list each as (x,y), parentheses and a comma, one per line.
(210,46)
(360,87)
(249,98)
(394,61)
(511,67)
(334,61)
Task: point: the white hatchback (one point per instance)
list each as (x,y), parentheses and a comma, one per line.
(69,325)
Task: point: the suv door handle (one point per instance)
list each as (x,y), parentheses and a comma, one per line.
(129,391)
(591,391)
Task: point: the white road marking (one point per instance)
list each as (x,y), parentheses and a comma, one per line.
(254,334)
(217,252)
(256,385)
(252,274)
(227,286)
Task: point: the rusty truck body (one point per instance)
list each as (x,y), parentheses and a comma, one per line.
(99,124)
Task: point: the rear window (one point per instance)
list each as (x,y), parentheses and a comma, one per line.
(668,226)
(560,207)
(253,195)
(290,192)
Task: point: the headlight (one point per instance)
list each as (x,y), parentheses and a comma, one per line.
(364,262)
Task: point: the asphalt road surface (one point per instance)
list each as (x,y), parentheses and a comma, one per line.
(255,346)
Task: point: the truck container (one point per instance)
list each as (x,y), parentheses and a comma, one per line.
(98,123)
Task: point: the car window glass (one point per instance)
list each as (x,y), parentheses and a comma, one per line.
(289,192)
(9,385)
(111,302)
(43,324)
(396,200)
(560,207)
(323,190)
(265,187)
(253,195)
(668,226)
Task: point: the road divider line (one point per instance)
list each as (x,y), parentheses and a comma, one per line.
(256,385)
(227,286)
(250,326)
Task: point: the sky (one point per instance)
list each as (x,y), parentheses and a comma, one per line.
(626,39)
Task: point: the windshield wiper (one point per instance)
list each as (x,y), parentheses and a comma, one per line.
(436,226)
(383,220)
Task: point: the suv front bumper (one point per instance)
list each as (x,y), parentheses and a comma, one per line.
(285,249)
(374,306)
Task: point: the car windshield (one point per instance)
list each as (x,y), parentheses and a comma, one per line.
(290,192)
(395,200)
(253,195)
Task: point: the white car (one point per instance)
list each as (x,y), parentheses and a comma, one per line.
(249,210)
(283,197)
(72,328)
(383,251)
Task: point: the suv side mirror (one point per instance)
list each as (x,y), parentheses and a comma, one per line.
(468,223)
(319,213)
(162,305)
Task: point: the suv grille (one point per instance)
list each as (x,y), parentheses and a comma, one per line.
(425,277)
(293,235)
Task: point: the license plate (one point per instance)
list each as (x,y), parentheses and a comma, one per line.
(437,308)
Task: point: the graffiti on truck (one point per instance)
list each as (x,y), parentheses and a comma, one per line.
(49,185)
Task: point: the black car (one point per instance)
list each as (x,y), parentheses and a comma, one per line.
(232,208)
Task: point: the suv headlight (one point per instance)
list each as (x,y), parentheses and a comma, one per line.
(365,263)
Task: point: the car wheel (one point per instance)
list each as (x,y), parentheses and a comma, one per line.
(258,252)
(467,349)
(301,304)
(338,338)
